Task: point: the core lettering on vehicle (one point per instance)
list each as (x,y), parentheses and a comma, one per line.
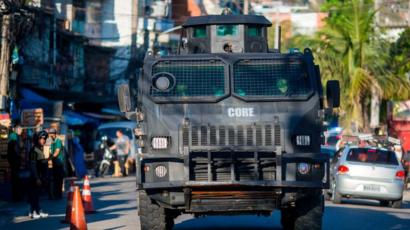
(241,112)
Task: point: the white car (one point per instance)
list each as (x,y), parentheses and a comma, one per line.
(369,173)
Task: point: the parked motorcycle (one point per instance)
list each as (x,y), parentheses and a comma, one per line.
(107,158)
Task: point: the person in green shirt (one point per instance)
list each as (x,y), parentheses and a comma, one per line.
(57,156)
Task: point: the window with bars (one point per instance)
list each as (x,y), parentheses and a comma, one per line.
(271,77)
(201,78)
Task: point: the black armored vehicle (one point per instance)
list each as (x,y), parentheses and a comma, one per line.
(227,126)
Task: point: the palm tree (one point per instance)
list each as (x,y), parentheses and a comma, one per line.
(350,48)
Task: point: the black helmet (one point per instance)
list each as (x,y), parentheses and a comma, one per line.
(40,134)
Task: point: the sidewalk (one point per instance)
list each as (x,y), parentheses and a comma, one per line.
(18,212)
(12,214)
(114,199)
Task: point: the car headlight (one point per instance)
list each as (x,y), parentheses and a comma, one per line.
(160,142)
(302,140)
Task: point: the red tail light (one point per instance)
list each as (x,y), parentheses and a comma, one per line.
(342,169)
(400,175)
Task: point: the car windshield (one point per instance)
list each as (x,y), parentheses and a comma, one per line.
(110,132)
(271,78)
(373,156)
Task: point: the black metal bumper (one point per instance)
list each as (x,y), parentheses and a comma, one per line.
(286,174)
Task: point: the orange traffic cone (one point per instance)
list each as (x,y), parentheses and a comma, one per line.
(87,198)
(77,212)
(69,204)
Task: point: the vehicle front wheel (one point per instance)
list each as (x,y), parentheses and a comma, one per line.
(328,194)
(153,216)
(396,203)
(336,197)
(103,170)
(307,213)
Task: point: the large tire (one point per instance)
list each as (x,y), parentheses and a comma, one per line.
(396,203)
(384,203)
(328,194)
(153,216)
(104,170)
(306,215)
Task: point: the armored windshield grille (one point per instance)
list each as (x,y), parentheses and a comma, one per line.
(202,78)
(271,77)
(242,135)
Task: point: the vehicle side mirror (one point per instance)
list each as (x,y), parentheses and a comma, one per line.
(124,98)
(333,94)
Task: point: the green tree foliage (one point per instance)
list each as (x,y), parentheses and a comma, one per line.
(351,49)
(400,51)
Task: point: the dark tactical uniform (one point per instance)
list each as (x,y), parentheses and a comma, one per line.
(38,169)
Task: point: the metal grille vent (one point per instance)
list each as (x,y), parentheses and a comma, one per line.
(277,135)
(204,135)
(249,136)
(258,135)
(213,135)
(242,135)
(222,135)
(195,138)
(231,135)
(228,166)
(268,134)
(185,135)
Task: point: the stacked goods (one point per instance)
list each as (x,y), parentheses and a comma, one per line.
(4,164)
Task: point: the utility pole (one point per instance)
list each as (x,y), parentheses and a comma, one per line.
(246,7)
(134,28)
(5,60)
(133,63)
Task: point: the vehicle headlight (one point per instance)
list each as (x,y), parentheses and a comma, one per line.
(163,81)
(160,142)
(303,140)
(303,168)
(161,171)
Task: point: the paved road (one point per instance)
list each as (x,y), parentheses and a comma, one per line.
(114,199)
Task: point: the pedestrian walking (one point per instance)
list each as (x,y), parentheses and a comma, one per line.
(122,145)
(38,171)
(58,159)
